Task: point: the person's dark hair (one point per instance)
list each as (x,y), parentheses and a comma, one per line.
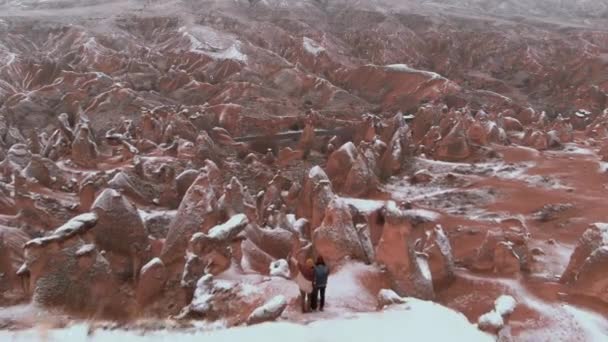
(320,260)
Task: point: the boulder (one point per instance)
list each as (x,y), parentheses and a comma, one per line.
(216,299)
(503,253)
(44,171)
(11,256)
(220,245)
(152,279)
(594,238)
(337,237)
(440,258)
(388,297)
(361,179)
(454,146)
(184,180)
(270,311)
(306,200)
(276,242)
(396,154)
(198,212)
(66,270)
(340,162)
(591,279)
(120,229)
(237,200)
(512,124)
(395,252)
(280,268)
(84,149)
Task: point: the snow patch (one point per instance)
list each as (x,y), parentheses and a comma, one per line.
(311,46)
(223,231)
(505,305)
(151,263)
(424,267)
(85,249)
(412,322)
(201,302)
(603,228)
(363,205)
(405,68)
(350,149)
(316,171)
(233,53)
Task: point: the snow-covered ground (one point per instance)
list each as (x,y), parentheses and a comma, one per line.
(414,321)
(560,321)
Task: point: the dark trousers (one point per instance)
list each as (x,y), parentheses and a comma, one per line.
(318,295)
(313,298)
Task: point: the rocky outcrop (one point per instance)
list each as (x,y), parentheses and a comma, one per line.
(313,196)
(361,178)
(503,253)
(269,311)
(338,238)
(120,230)
(152,279)
(84,148)
(11,257)
(454,146)
(340,162)
(440,258)
(584,274)
(238,200)
(198,212)
(65,269)
(395,251)
(216,299)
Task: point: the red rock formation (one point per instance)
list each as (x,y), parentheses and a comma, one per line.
(121,231)
(337,237)
(198,212)
(454,146)
(395,251)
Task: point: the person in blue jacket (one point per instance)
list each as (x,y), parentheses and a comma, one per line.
(320,282)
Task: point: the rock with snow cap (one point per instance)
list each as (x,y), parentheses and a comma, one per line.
(337,237)
(152,279)
(396,252)
(119,227)
(280,268)
(269,311)
(198,212)
(315,178)
(120,231)
(65,270)
(388,297)
(440,258)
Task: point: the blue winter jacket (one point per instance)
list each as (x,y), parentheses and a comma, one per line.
(321,275)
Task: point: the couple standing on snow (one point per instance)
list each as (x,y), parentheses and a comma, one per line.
(312,281)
